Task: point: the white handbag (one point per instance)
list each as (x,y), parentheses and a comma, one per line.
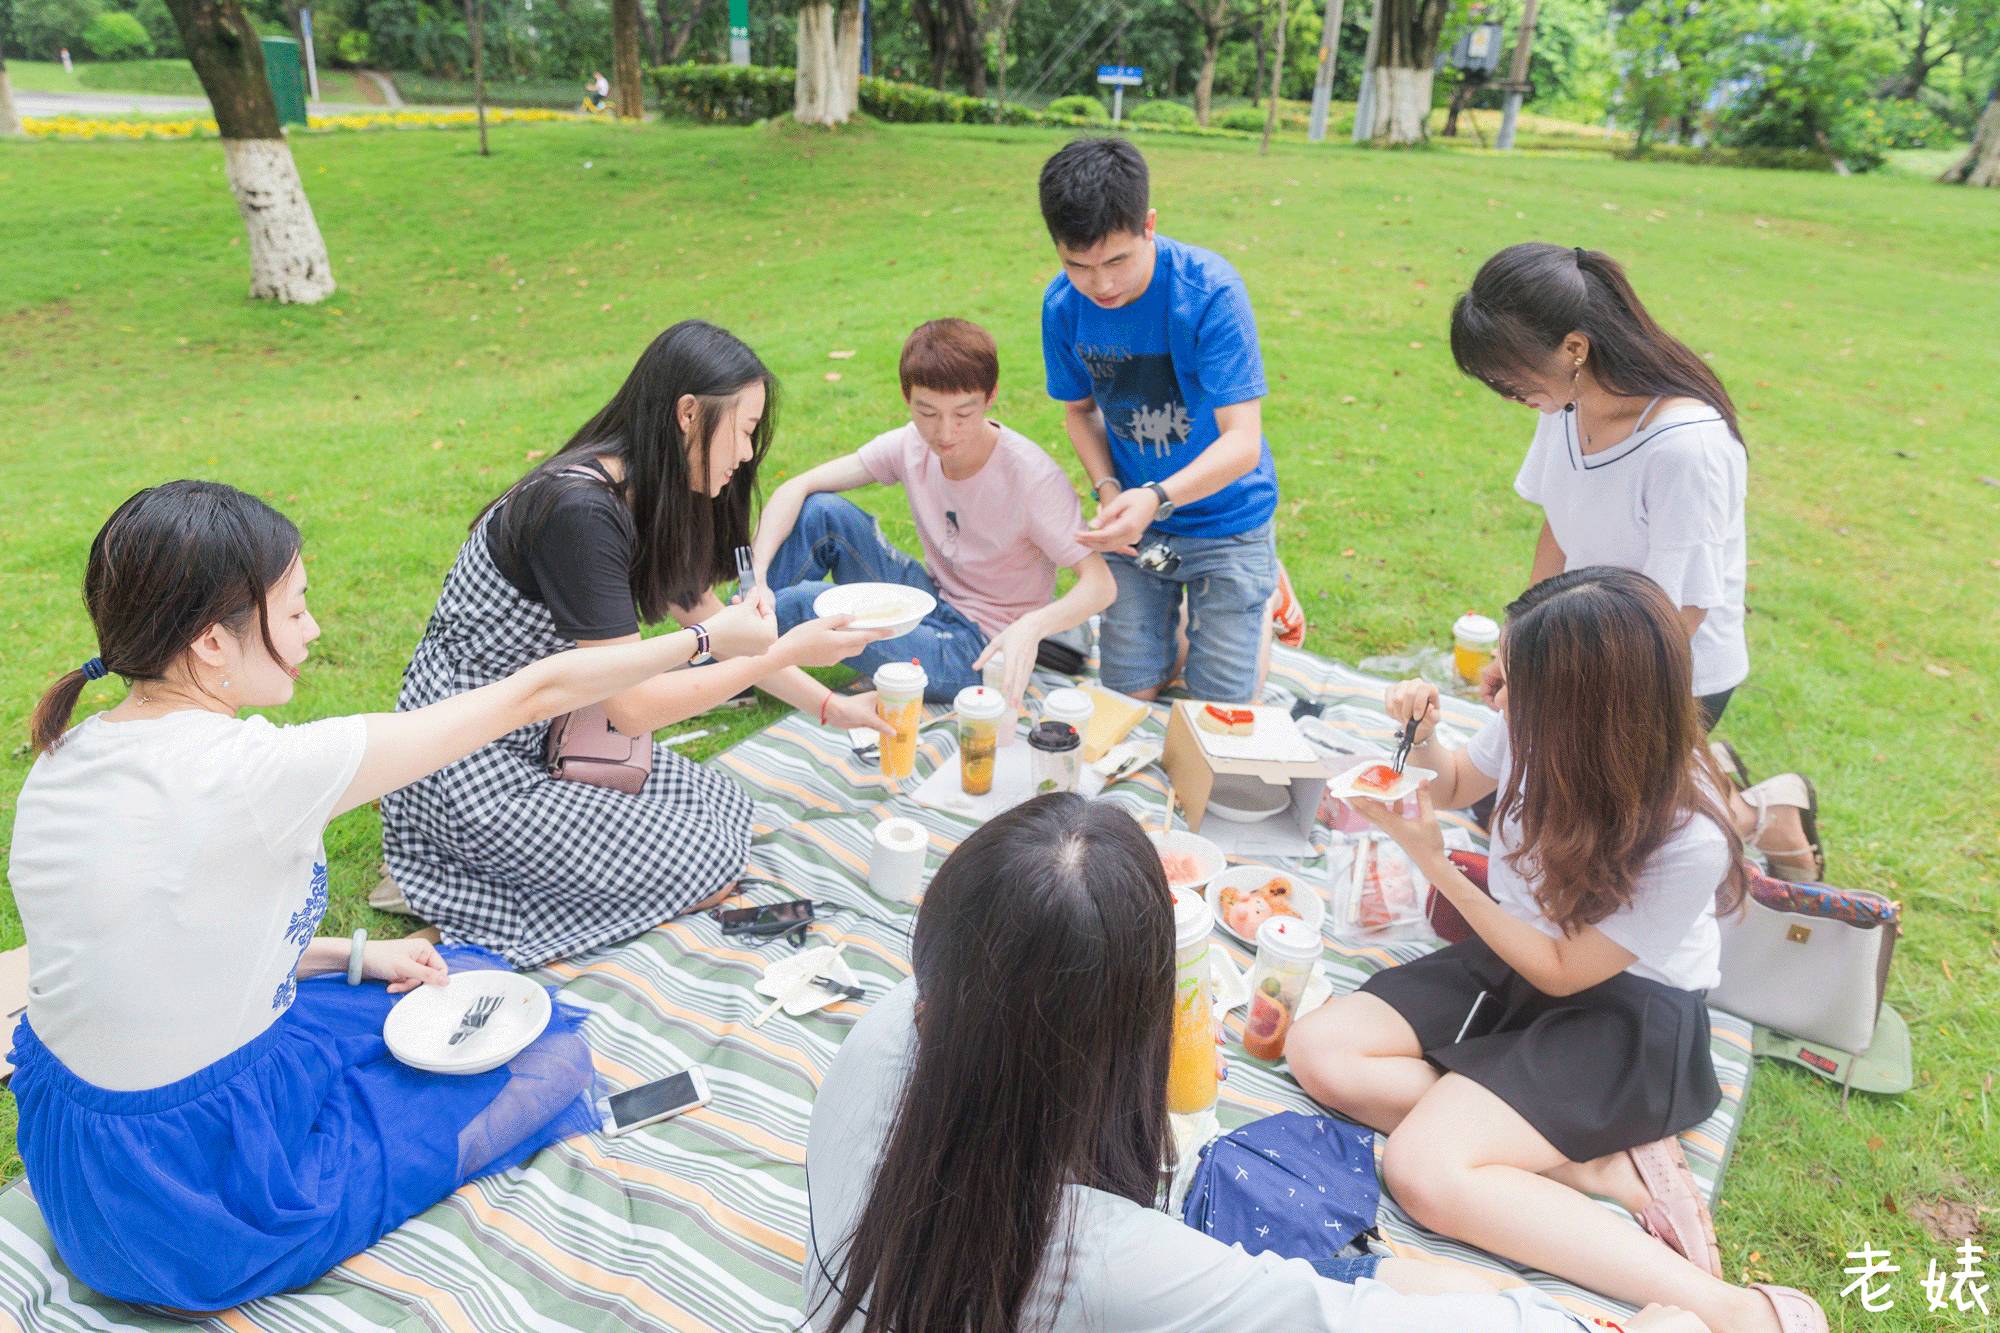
(1809,974)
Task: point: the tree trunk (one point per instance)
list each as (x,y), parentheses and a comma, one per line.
(847,56)
(1404,60)
(1277,83)
(674,35)
(649,39)
(937,38)
(287,255)
(1204,86)
(10,124)
(971,51)
(626,96)
(476,26)
(1260,40)
(818,87)
(1981,164)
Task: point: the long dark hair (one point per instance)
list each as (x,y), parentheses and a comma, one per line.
(686,539)
(1608,752)
(1044,963)
(170,562)
(1529,297)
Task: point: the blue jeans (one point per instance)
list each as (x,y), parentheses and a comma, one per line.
(1348,1268)
(837,537)
(1227,582)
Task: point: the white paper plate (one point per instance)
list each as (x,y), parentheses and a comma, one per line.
(792,978)
(1247,800)
(892,606)
(1312,907)
(1209,859)
(418,1030)
(1343,786)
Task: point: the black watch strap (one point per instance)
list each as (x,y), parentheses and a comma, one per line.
(1167,505)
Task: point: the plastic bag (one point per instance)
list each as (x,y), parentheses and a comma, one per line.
(1380,894)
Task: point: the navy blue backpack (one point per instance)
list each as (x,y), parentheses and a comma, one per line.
(1300,1186)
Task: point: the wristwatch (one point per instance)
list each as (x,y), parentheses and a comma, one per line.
(701,651)
(1167,506)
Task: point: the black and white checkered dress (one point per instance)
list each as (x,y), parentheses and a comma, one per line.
(496,852)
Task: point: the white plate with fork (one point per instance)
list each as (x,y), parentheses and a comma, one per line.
(478,1020)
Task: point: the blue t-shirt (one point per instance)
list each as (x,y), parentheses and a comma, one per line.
(1159,368)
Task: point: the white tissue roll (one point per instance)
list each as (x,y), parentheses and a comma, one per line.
(896,859)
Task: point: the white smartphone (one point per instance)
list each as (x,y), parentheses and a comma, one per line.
(656,1101)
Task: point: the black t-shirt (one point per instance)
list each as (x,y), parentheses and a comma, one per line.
(578,564)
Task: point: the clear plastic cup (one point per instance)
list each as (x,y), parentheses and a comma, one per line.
(980,711)
(899,701)
(1058,757)
(1191,1081)
(1473,639)
(994,677)
(1287,950)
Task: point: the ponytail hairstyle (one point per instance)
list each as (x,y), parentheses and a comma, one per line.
(1529,297)
(169,563)
(1608,756)
(686,540)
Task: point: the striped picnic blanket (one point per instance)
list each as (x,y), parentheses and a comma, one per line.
(699,1223)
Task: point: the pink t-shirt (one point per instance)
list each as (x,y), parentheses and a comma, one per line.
(994,541)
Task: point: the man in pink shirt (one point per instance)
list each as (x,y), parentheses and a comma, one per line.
(996,517)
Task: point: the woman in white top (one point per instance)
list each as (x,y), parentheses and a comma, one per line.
(1556,1053)
(986,1151)
(207,1114)
(1637,461)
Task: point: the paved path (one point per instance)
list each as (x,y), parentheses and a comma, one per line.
(118,104)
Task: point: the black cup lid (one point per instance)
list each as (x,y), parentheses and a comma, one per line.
(1055,737)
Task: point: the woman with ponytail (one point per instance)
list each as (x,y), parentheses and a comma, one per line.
(207,1111)
(1638,462)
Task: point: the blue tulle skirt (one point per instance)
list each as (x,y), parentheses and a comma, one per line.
(261,1172)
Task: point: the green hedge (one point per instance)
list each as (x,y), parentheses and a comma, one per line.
(1774,159)
(745,94)
(1080,105)
(1162,112)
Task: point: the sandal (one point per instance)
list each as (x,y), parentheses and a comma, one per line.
(1796,1311)
(1731,763)
(1675,1213)
(1789,789)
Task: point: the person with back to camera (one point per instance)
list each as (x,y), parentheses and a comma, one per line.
(986,1151)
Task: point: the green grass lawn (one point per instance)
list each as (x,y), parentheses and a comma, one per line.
(166,78)
(487,307)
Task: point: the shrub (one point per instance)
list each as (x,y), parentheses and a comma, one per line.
(1162,112)
(1241,118)
(353,47)
(43,27)
(1775,159)
(1079,105)
(729,94)
(159,25)
(117,36)
(1911,124)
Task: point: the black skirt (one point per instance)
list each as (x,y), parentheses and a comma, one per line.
(1623,1063)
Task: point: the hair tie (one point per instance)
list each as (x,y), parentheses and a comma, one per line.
(1579,256)
(94,669)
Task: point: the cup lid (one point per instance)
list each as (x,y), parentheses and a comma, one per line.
(976,703)
(1054,737)
(1288,937)
(900,676)
(1475,628)
(1192,919)
(1067,703)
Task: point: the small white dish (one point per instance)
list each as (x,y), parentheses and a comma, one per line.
(1208,858)
(895,607)
(791,979)
(1310,906)
(1343,786)
(1228,984)
(1247,800)
(420,1027)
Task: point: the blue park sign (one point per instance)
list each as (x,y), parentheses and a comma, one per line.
(1122,76)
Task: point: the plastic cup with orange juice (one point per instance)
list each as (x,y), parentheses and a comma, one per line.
(899,701)
(1191,1079)
(1473,639)
(980,711)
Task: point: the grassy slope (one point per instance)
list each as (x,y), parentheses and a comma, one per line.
(486,307)
(168,78)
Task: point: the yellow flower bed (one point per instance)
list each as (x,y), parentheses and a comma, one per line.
(89,127)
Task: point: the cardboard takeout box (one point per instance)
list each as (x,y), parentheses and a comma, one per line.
(1275,753)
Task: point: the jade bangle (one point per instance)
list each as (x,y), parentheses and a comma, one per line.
(354,956)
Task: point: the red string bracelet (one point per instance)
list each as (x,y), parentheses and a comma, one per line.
(824,704)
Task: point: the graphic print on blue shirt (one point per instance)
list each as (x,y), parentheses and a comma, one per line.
(1159,368)
(300,931)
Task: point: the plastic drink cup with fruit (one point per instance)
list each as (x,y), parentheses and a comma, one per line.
(980,712)
(1057,762)
(899,701)
(1287,951)
(1473,639)
(994,677)
(1191,1083)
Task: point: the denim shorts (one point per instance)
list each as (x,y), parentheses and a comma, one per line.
(1226,583)
(1349,1268)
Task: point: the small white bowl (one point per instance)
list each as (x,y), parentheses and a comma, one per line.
(1343,786)
(1311,907)
(896,607)
(1209,859)
(418,1030)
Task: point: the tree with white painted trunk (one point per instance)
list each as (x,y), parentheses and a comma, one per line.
(826,86)
(287,257)
(1405,57)
(10,124)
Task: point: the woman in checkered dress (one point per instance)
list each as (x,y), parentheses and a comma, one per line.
(636,517)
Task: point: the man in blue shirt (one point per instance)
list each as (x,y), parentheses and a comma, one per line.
(1151,345)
